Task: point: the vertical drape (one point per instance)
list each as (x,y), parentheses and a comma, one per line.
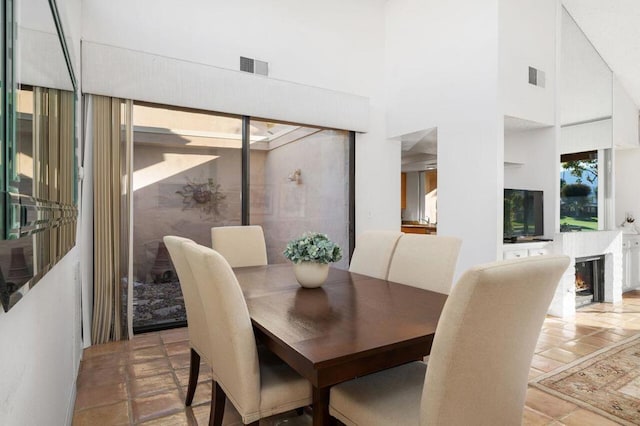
(109,185)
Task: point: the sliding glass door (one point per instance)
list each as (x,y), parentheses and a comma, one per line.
(189,176)
(299,183)
(186,179)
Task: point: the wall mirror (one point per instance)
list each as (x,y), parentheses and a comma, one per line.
(39,202)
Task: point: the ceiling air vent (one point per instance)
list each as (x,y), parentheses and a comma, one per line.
(536,77)
(254,66)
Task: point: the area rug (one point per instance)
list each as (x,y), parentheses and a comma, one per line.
(606,382)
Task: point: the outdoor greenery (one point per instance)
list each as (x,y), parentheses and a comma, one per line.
(579,193)
(573,224)
(313,247)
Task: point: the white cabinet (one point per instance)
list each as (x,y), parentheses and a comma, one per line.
(630,262)
(514,254)
(520,250)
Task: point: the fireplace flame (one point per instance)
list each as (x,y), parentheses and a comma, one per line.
(581,284)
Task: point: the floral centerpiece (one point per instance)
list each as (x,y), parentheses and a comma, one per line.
(311,254)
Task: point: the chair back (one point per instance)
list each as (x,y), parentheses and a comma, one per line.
(425,261)
(373,253)
(240,245)
(197,326)
(232,346)
(483,346)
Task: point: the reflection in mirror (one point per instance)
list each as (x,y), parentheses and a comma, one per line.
(419,191)
(40,212)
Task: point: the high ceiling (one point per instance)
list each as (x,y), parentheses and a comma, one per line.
(613,27)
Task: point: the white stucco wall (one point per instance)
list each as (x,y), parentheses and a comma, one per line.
(41,350)
(442,71)
(527,31)
(332,45)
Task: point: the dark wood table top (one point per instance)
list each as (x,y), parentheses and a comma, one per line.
(351,326)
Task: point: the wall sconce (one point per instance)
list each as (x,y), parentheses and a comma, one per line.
(295,176)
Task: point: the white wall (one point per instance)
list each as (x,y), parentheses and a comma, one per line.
(535,150)
(334,45)
(625,117)
(528,38)
(41,334)
(41,350)
(626,179)
(585,79)
(442,71)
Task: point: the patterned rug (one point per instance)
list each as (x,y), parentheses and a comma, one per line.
(606,382)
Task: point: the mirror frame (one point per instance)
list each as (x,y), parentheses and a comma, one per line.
(48,225)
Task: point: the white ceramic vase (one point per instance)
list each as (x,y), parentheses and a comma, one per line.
(311,274)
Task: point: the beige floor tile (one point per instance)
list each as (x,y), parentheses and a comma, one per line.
(534,418)
(101,376)
(230,418)
(183,418)
(178,348)
(596,341)
(610,336)
(561,355)
(107,415)
(106,348)
(582,417)
(548,405)
(552,340)
(202,395)
(145,340)
(149,368)
(174,335)
(155,406)
(533,373)
(562,333)
(147,354)
(152,384)
(96,396)
(107,360)
(180,361)
(579,348)
(182,375)
(545,364)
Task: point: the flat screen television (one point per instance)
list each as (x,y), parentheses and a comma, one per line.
(523,214)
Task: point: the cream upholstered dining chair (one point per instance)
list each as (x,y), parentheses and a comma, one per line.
(373,253)
(479,365)
(425,261)
(240,245)
(257,386)
(196,324)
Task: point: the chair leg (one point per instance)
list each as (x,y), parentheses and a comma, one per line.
(194,370)
(218,399)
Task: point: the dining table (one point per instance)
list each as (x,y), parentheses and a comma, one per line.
(351,326)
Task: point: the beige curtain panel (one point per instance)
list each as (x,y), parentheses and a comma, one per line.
(111,145)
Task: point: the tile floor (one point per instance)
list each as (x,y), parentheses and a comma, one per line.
(143,381)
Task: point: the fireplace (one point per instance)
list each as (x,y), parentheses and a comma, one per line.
(589,280)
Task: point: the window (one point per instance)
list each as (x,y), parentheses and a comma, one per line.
(579,192)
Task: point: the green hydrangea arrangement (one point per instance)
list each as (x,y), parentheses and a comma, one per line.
(313,247)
